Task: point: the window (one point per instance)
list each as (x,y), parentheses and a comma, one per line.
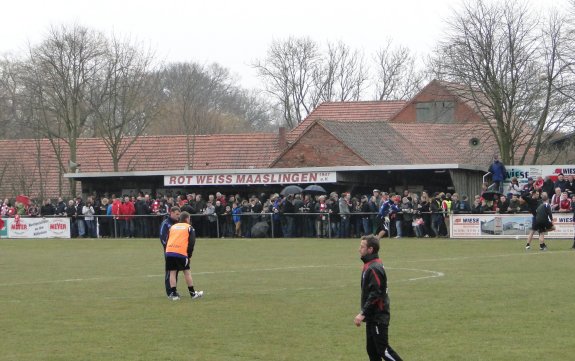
(435,112)
(423,112)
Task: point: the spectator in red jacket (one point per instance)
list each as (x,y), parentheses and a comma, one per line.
(538,185)
(564,203)
(222,198)
(117,223)
(127,211)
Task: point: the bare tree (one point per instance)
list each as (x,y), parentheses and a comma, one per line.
(207,100)
(126,97)
(194,96)
(8,102)
(21,116)
(4,165)
(289,72)
(247,110)
(342,75)
(13,121)
(20,180)
(397,76)
(509,67)
(60,75)
(555,110)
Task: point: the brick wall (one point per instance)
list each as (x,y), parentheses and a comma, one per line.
(434,92)
(318,148)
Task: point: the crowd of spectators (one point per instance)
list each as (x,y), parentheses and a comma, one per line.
(296,215)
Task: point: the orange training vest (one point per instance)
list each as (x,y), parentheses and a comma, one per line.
(178,239)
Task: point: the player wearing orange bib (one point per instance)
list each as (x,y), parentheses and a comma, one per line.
(179,249)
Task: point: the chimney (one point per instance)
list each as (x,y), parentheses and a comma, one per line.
(282,139)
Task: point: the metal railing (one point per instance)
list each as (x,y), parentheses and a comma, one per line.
(267,224)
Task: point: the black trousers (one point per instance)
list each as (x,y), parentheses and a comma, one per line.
(167,276)
(377,343)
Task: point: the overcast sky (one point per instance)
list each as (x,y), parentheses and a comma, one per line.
(234,33)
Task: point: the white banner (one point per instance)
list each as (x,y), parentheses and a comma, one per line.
(38,227)
(250,178)
(505,225)
(523,172)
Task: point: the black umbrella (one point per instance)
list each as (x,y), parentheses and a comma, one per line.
(314,189)
(260,230)
(291,190)
(491,195)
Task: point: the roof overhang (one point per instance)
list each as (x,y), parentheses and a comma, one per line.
(401,167)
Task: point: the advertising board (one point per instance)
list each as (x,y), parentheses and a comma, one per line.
(38,227)
(505,225)
(523,172)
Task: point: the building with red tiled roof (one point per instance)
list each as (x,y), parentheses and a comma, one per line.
(435,141)
(358,111)
(30,167)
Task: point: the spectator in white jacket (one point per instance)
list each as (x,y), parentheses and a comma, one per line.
(514,187)
(88,212)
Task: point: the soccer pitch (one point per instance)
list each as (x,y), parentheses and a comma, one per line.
(284,299)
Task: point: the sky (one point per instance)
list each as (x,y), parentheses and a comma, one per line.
(236,33)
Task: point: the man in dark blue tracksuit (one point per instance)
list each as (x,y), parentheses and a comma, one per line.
(387,208)
(498,174)
(374,302)
(164,232)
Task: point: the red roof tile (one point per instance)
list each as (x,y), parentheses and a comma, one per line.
(19,166)
(348,112)
(364,127)
(444,143)
(385,143)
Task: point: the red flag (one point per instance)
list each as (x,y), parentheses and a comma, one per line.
(25,200)
(1,223)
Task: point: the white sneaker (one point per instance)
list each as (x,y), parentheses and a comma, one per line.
(198,294)
(174,296)
(397,236)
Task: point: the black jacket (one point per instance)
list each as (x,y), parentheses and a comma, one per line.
(374,298)
(142,207)
(71,211)
(333,206)
(188,208)
(543,214)
(61,208)
(548,187)
(435,208)
(531,204)
(461,207)
(561,184)
(570,188)
(47,210)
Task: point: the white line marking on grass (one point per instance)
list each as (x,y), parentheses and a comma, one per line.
(162,275)
(355,265)
(434,274)
(59,281)
(270,269)
(525,253)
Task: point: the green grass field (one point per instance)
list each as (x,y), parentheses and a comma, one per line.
(284,299)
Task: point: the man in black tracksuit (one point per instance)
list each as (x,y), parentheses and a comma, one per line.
(374,302)
(544,219)
(531,201)
(172,219)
